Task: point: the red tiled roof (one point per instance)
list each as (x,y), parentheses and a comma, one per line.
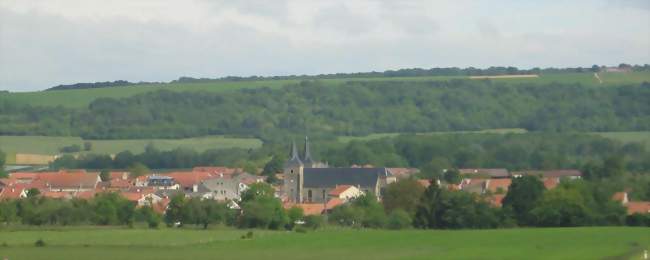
(333,203)
(161,206)
(13,191)
(119,175)
(85,194)
(495,184)
(311,208)
(339,189)
(23,175)
(551,182)
(619,196)
(642,207)
(497,200)
(120,184)
(70,180)
(56,194)
(132,196)
(424,183)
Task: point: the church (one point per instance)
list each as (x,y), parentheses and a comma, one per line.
(310,181)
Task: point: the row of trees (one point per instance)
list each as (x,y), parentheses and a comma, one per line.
(351,108)
(405,204)
(103,209)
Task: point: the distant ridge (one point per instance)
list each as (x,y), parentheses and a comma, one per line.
(106,84)
(410,72)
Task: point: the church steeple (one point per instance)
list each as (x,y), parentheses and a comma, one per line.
(307,160)
(295,159)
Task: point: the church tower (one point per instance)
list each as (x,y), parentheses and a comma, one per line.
(293,176)
(308,161)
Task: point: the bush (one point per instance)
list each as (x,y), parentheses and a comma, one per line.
(399,219)
(300,230)
(39,243)
(638,220)
(248,235)
(314,221)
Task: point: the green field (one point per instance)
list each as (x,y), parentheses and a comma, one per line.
(541,243)
(627,137)
(388,135)
(82,97)
(50,145)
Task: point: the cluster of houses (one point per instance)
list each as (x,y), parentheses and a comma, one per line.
(305,183)
(218,183)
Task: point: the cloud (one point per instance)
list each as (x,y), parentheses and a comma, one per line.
(50,42)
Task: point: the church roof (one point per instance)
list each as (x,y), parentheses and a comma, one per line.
(330,177)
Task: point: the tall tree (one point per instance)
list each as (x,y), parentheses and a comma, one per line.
(403,194)
(522,196)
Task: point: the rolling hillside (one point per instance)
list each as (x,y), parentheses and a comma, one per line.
(82,97)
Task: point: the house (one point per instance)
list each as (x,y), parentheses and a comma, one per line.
(565,173)
(496,200)
(633,207)
(497,186)
(638,207)
(473,185)
(311,182)
(14,191)
(344,193)
(68,180)
(488,173)
(550,182)
(162,182)
(403,173)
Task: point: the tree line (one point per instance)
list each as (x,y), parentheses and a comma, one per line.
(353,108)
(406,204)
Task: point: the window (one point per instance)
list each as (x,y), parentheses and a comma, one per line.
(323,194)
(309,195)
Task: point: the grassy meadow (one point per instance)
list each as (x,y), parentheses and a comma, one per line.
(347,139)
(49,145)
(627,137)
(82,97)
(541,243)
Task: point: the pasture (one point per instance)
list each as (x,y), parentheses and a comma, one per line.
(49,145)
(347,139)
(119,243)
(82,97)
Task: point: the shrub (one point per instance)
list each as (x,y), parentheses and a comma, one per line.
(314,221)
(399,219)
(39,243)
(300,230)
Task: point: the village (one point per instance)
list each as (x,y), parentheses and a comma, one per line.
(305,183)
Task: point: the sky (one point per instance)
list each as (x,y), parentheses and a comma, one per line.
(44,43)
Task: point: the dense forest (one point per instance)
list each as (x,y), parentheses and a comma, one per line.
(351,108)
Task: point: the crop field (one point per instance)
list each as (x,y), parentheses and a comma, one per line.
(82,97)
(388,135)
(541,243)
(49,145)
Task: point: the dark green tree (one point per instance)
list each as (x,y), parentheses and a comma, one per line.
(523,195)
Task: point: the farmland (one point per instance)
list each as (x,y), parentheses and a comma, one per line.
(50,145)
(82,97)
(548,243)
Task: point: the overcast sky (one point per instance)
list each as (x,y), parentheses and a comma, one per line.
(49,42)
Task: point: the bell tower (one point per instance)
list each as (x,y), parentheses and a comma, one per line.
(293,176)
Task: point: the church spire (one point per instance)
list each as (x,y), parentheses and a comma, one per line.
(308,161)
(307,153)
(295,159)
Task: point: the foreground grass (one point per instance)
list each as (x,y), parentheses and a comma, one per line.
(82,97)
(551,243)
